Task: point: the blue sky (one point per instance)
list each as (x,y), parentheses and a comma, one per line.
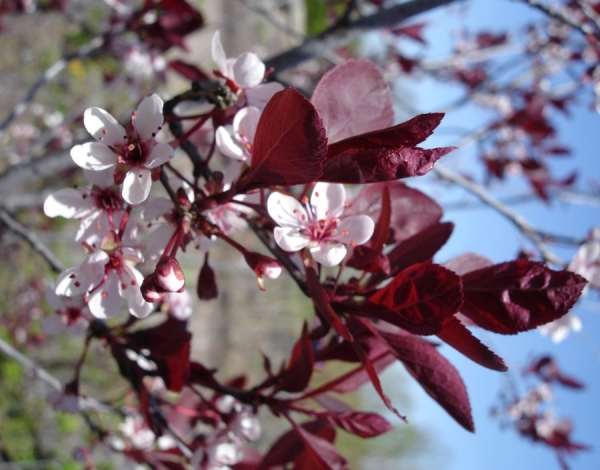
(487,233)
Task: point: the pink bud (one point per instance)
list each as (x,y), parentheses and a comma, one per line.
(151,291)
(169,275)
(263,266)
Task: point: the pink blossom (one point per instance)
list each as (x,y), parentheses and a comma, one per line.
(71,315)
(134,151)
(64,401)
(106,279)
(586,261)
(244,130)
(559,329)
(318,226)
(244,74)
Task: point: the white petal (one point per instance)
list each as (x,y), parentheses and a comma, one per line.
(285,210)
(93,227)
(260,95)
(157,240)
(160,154)
(218,54)
(69,203)
(101,178)
(132,256)
(329,254)
(149,117)
(53,325)
(55,301)
(327,200)
(136,185)
(96,121)
(290,239)
(245,122)
(93,156)
(70,283)
(359,228)
(248,70)
(227,146)
(105,302)
(138,307)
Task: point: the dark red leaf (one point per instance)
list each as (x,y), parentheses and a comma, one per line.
(460,338)
(319,452)
(413,31)
(419,299)
(411,210)
(189,71)
(290,143)
(384,155)
(169,348)
(299,370)
(367,259)
(383,225)
(355,85)
(319,297)
(519,295)
(435,374)
(361,424)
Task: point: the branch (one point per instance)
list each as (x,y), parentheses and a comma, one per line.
(560,16)
(534,235)
(33,240)
(340,35)
(266,14)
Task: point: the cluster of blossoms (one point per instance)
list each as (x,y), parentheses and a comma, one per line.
(286,160)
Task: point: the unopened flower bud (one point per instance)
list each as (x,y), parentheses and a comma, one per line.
(169,275)
(151,291)
(263,266)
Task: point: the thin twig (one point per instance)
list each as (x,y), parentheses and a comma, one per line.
(33,240)
(525,227)
(559,15)
(266,14)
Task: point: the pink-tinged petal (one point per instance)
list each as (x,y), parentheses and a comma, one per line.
(136,185)
(285,210)
(138,307)
(155,208)
(68,283)
(79,327)
(100,178)
(245,123)
(290,239)
(93,156)
(260,95)
(248,70)
(93,227)
(55,301)
(232,172)
(160,154)
(69,203)
(91,270)
(327,200)
(328,253)
(355,230)
(227,146)
(102,126)
(218,54)
(149,117)
(105,302)
(131,256)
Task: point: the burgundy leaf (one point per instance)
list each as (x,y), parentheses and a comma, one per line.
(169,348)
(353,98)
(519,295)
(460,338)
(419,299)
(361,424)
(289,445)
(290,143)
(319,297)
(367,259)
(299,370)
(435,374)
(384,155)
(413,31)
(189,71)
(411,210)
(382,227)
(319,453)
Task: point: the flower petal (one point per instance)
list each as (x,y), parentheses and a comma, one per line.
(102,126)
(285,210)
(248,70)
(149,117)
(245,123)
(358,229)
(260,95)
(93,156)
(100,178)
(138,307)
(106,301)
(69,203)
(227,146)
(327,200)
(160,154)
(218,53)
(155,208)
(328,253)
(136,185)
(290,239)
